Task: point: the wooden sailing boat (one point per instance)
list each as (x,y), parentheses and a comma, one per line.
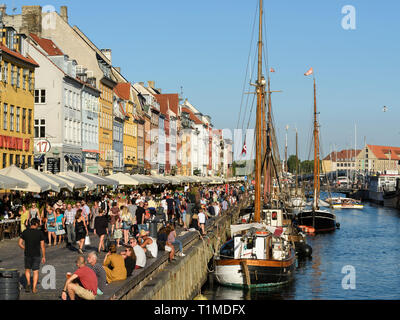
(320,220)
(257,255)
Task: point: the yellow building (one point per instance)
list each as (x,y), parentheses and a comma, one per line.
(106,125)
(17,96)
(123,91)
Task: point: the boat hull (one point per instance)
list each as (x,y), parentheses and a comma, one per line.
(348,206)
(320,220)
(262,273)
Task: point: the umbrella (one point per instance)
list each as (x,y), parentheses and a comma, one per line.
(71,183)
(142,179)
(172,180)
(10,183)
(77,177)
(124,179)
(159,179)
(35,184)
(60,184)
(100,181)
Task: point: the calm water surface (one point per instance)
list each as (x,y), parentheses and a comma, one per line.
(368,240)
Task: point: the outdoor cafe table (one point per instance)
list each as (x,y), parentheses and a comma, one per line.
(12,226)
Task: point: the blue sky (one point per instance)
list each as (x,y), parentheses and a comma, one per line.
(203,46)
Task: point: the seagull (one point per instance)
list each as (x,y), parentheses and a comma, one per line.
(385,109)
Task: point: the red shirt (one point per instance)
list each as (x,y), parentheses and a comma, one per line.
(88,278)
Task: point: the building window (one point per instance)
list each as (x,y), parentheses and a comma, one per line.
(17,160)
(5,116)
(40,128)
(4,160)
(4,72)
(30,81)
(23,120)
(29,121)
(18,119)
(11,159)
(24,78)
(12,75)
(29,164)
(18,77)
(11,118)
(40,96)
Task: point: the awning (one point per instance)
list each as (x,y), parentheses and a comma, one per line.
(124,179)
(56,185)
(73,158)
(35,184)
(8,183)
(99,180)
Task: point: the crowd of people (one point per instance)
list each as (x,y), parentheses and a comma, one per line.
(122,221)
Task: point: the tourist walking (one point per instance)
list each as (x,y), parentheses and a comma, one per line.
(60,226)
(32,242)
(51,225)
(25,218)
(101,228)
(80,230)
(69,215)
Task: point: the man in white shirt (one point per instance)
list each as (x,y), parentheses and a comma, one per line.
(139,252)
(148,244)
(202,220)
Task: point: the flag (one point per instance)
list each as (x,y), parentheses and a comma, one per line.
(244,150)
(276,231)
(272,70)
(309,72)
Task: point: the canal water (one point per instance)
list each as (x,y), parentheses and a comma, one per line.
(359,261)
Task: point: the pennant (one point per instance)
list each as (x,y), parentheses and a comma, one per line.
(272,70)
(309,72)
(244,150)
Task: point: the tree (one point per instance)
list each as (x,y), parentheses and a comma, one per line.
(291,164)
(307,166)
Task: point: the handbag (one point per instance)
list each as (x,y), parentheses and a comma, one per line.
(60,229)
(87,241)
(117,234)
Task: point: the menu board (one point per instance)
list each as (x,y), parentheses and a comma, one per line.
(53,165)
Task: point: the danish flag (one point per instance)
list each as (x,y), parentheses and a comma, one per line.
(244,150)
(272,70)
(309,72)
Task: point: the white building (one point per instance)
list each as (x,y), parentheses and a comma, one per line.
(58,112)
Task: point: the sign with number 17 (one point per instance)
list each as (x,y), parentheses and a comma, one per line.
(42,146)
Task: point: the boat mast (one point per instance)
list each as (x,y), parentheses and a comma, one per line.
(260,90)
(297,164)
(316,153)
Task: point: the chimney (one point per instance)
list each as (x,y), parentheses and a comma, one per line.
(151,84)
(31,20)
(64,13)
(107,53)
(3,8)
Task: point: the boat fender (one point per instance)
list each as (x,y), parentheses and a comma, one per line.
(307,250)
(337,225)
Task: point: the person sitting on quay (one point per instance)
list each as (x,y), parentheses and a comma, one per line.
(172,240)
(139,253)
(129,259)
(82,283)
(148,244)
(114,265)
(163,244)
(99,271)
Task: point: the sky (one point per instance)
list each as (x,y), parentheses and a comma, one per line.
(203,47)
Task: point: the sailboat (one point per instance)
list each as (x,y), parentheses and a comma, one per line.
(258,255)
(319,219)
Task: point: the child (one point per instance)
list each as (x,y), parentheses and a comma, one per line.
(117,232)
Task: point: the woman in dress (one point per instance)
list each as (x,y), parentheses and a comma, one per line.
(93,214)
(34,212)
(80,229)
(51,224)
(183,212)
(114,214)
(60,225)
(101,228)
(25,218)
